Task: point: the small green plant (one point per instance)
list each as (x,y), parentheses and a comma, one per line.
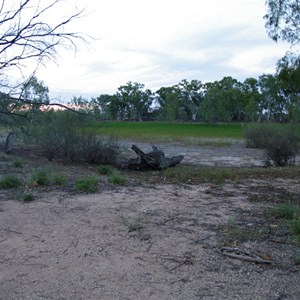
(134,225)
(117,179)
(283,211)
(105,170)
(59,179)
(87,184)
(295,228)
(235,234)
(296,257)
(18,163)
(39,178)
(9,182)
(26,197)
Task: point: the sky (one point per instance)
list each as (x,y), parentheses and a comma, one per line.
(160,42)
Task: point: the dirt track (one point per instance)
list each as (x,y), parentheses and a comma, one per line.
(144,242)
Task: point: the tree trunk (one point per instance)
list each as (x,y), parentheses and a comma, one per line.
(154,160)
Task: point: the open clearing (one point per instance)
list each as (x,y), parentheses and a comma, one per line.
(146,241)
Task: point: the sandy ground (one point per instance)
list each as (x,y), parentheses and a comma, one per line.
(145,242)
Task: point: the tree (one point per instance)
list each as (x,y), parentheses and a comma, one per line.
(133,101)
(288,71)
(35,91)
(283,20)
(191,95)
(272,104)
(29,35)
(251,96)
(168,101)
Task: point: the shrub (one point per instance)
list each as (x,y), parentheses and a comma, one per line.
(26,197)
(18,163)
(88,184)
(105,170)
(280,142)
(59,179)
(39,178)
(117,179)
(65,135)
(9,182)
(283,211)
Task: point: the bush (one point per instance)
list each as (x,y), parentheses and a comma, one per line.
(117,179)
(105,170)
(65,135)
(59,179)
(26,197)
(39,178)
(18,163)
(280,142)
(87,185)
(9,182)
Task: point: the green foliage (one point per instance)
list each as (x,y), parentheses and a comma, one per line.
(26,197)
(105,170)
(289,213)
(283,211)
(117,179)
(18,163)
(59,179)
(282,20)
(87,184)
(40,178)
(235,234)
(9,182)
(66,135)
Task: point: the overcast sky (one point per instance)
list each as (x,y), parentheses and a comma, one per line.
(160,42)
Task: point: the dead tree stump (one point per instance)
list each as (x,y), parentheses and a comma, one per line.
(154,160)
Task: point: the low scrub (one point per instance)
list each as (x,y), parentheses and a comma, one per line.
(67,136)
(9,182)
(117,179)
(280,142)
(105,170)
(87,184)
(39,178)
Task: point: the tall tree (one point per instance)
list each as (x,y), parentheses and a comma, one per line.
(191,95)
(283,20)
(288,71)
(134,100)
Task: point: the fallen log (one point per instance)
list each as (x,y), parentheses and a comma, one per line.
(154,160)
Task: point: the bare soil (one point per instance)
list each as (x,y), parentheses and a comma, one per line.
(147,241)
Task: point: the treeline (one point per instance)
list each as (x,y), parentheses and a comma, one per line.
(270,97)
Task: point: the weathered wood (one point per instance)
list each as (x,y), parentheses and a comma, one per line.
(154,160)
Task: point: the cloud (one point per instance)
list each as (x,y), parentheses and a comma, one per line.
(159,43)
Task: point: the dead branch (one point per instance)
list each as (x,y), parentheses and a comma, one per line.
(243,255)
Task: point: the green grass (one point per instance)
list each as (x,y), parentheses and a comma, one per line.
(105,170)
(197,174)
(9,182)
(87,184)
(168,130)
(26,197)
(39,178)
(117,179)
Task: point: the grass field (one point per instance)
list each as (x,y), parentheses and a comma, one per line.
(169,131)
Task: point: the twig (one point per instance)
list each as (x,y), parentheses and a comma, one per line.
(243,255)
